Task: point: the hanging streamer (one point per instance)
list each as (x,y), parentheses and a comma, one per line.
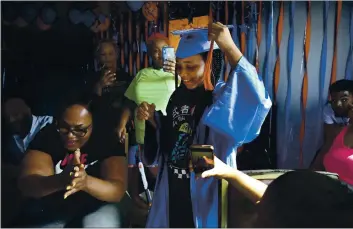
(268,49)
(137,42)
(251,34)
(225,72)
(146,37)
(258,35)
(279,39)
(121,29)
(166,19)
(323,57)
(290,53)
(242,33)
(304,94)
(349,66)
(334,62)
(235,30)
(130,43)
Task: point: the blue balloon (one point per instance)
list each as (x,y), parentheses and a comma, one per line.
(48,15)
(135,5)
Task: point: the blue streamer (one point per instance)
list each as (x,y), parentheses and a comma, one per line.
(289,69)
(349,65)
(250,46)
(268,49)
(323,57)
(235,30)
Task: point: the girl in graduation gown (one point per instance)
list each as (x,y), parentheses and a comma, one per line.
(226,117)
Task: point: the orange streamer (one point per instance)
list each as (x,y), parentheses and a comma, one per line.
(121,28)
(242,35)
(334,62)
(138,62)
(130,42)
(305,84)
(208,71)
(279,39)
(146,37)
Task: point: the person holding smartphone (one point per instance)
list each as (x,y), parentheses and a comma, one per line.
(224,117)
(296,199)
(154,84)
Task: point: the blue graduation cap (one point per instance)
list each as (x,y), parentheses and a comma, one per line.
(193,42)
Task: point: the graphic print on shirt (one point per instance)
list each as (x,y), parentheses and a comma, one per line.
(182,124)
(59,167)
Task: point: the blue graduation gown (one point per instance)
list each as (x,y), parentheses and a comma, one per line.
(238,111)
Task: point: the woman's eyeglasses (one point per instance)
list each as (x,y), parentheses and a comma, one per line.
(78,132)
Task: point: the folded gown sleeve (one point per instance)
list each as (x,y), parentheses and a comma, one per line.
(240,105)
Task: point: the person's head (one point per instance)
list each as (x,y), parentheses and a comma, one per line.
(75,125)
(341,93)
(192,57)
(155,43)
(305,199)
(17,116)
(107,53)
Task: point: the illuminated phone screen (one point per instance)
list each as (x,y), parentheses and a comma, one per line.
(198,161)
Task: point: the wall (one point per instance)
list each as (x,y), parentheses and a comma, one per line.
(300,89)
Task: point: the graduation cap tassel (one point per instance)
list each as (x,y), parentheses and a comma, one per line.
(207,73)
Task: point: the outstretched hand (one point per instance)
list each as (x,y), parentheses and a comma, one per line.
(220,170)
(78,176)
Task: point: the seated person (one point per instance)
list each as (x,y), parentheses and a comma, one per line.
(20,127)
(339,158)
(335,116)
(296,199)
(75,178)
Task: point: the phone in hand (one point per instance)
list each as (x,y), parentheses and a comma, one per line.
(168,53)
(198,156)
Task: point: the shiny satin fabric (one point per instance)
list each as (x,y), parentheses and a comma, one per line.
(242,104)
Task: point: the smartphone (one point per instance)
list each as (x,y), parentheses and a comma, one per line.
(168,53)
(198,153)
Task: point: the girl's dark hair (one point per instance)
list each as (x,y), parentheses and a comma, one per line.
(217,65)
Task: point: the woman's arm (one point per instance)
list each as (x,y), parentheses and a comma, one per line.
(250,187)
(37,178)
(112,186)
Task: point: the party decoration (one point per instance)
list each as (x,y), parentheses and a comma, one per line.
(75,16)
(150,11)
(20,22)
(48,15)
(29,12)
(41,25)
(88,18)
(135,5)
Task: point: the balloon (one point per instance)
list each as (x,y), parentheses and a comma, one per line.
(88,18)
(29,12)
(48,15)
(150,11)
(135,5)
(75,16)
(41,25)
(20,22)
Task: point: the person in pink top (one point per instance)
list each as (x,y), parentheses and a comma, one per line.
(339,158)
